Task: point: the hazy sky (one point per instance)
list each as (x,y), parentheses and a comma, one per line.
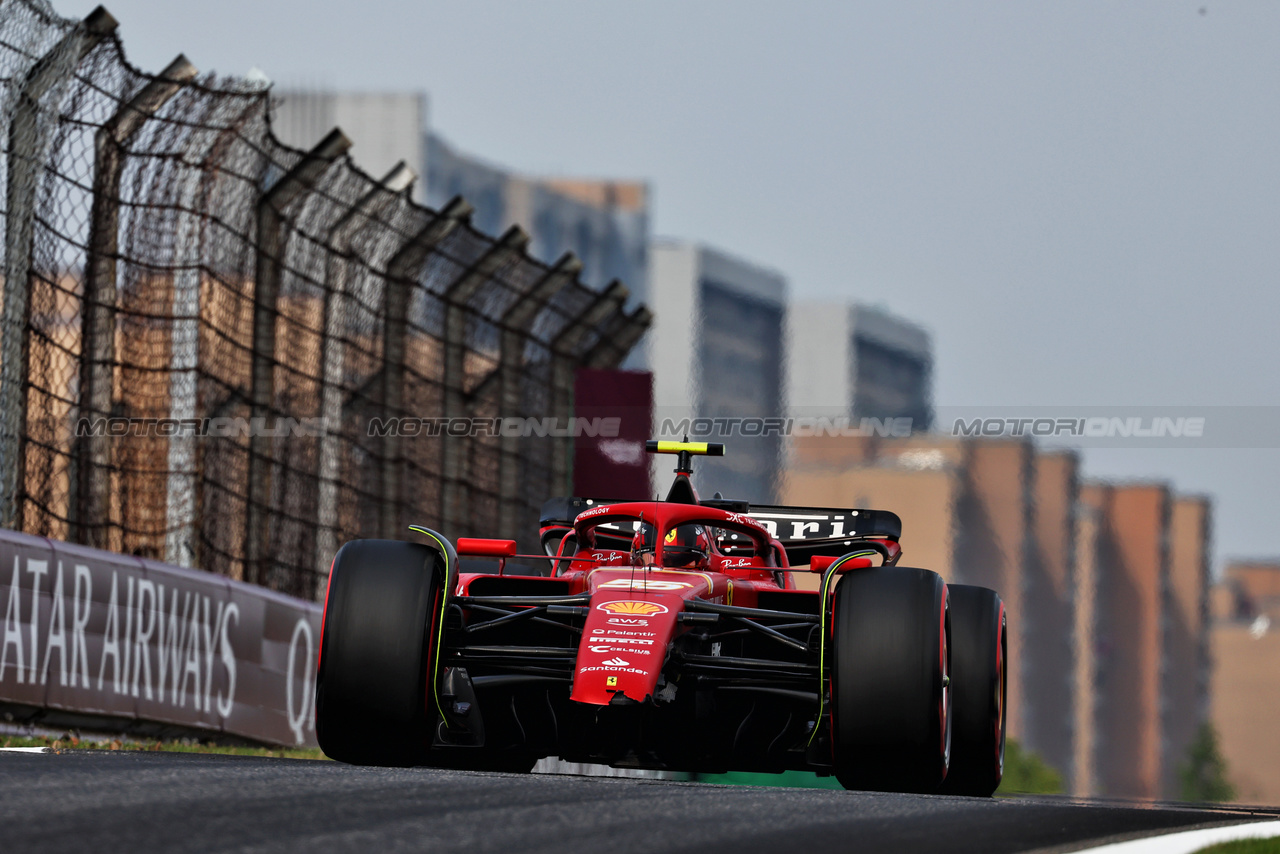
(1081,201)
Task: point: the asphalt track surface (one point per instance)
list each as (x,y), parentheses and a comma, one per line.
(144,802)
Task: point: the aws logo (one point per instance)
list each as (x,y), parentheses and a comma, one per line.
(631,608)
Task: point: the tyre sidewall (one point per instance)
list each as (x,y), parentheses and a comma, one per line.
(375,653)
(890,717)
(979,679)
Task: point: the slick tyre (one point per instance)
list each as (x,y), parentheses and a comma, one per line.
(375,645)
(978,660)
(891,722)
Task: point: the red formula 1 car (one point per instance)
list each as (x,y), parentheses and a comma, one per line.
(668,635)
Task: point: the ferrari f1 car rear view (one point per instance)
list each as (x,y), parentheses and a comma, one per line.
(667,635)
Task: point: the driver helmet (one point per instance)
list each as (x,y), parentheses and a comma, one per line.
(686,546)
(642,545)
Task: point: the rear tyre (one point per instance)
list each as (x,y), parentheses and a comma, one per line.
(375,644)
(890,701)
(978,658)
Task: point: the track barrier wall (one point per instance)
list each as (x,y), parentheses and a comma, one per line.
(110,642)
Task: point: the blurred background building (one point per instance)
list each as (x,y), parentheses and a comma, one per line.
(605,223)
(386,127)
(716,350)
(858,361)
(1246,676)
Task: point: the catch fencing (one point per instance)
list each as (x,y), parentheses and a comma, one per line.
(200,324)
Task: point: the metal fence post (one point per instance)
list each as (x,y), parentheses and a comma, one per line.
(613,348)
(399,287)
(26,157)
(269,263)
(564,359)
(517,323)
(92,509)
(180,489)
(333,354)
(456,491)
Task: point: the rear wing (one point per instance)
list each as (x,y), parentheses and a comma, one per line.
(803,531)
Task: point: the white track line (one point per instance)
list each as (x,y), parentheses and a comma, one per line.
(25,750)
(1188,841)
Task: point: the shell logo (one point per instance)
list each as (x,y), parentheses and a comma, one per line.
(632,608)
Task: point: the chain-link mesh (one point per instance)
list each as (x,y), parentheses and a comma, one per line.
(200,325)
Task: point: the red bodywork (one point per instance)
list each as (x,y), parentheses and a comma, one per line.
(634,610)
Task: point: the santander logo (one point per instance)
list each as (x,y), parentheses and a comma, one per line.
(616,662)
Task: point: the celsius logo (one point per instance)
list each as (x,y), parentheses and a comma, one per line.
(632,608)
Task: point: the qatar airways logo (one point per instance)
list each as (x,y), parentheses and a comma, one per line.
(168,651)
(104,632)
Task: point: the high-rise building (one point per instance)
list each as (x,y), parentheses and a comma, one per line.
(1130,600)
(858,361)
(1049,598)
(1186,663)
(605,223)
(384,127)
(716,350)
(1246,691)
(1141,593)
